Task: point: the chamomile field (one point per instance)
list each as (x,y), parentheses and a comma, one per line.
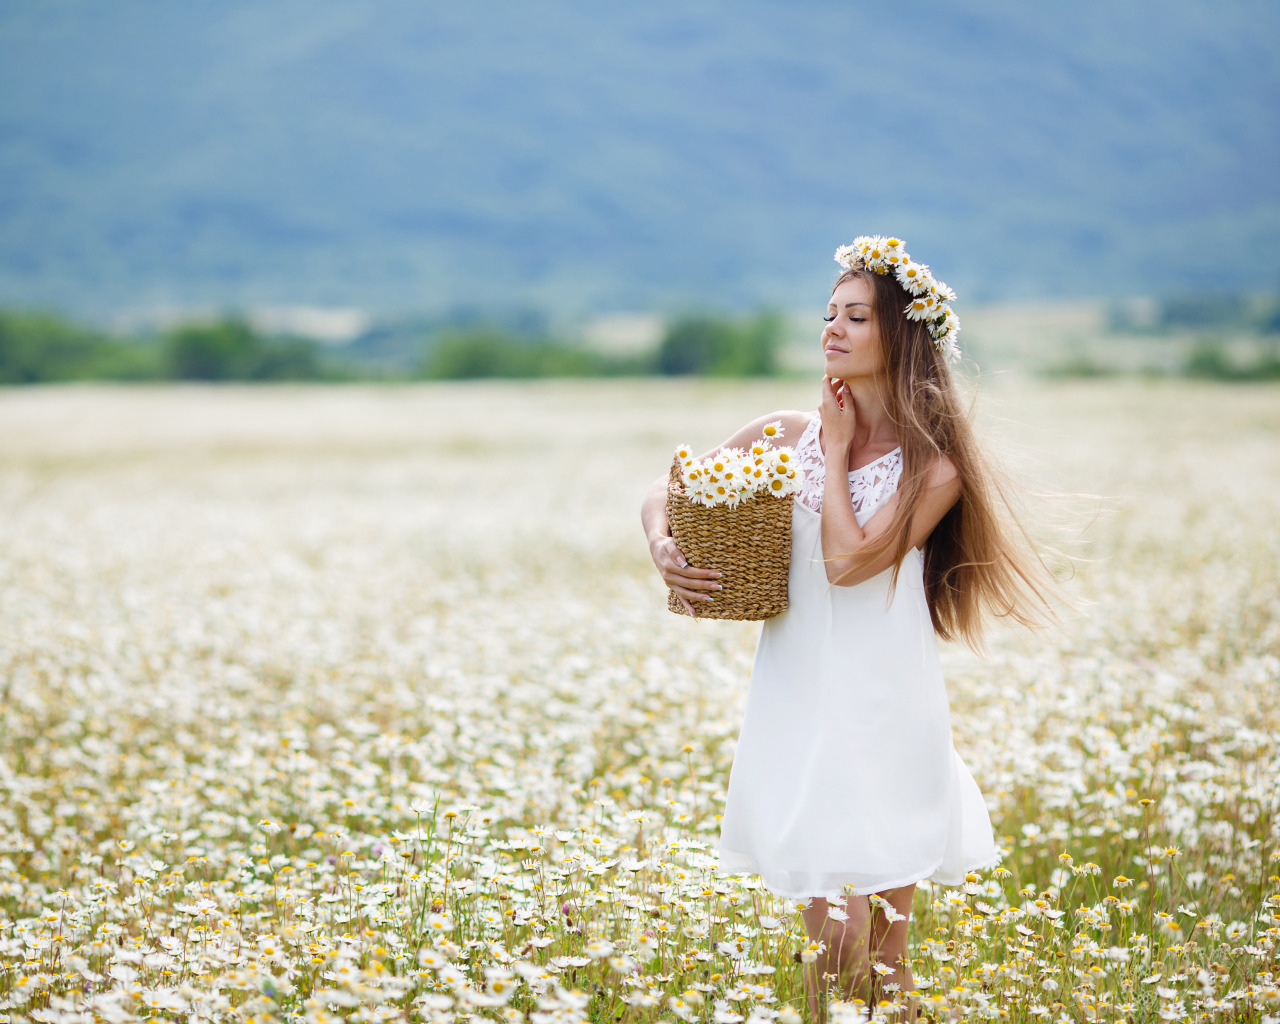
(365,703)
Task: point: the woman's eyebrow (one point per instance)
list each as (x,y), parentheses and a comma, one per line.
(847,305)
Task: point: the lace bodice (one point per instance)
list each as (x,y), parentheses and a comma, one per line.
(869,485)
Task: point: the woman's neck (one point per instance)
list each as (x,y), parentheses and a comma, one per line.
(874,427)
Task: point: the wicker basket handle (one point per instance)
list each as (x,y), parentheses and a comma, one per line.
(676,480)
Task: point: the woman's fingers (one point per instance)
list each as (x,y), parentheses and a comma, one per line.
(690,584)
(673,580)
(685,594)
(839,395)
(832,405)
(690,578)
(673,553)
(672,563)
(694,573)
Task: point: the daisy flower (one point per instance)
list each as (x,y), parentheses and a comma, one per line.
(920,307)
(913,276)
(432,958)
(598,949)
(895,257)
(847,256)
(772,431)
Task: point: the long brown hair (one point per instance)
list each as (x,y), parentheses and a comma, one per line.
(978,561)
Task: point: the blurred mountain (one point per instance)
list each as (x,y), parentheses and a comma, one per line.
(573,156)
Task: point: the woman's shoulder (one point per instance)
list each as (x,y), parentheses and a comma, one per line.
(792,422)
(943,472)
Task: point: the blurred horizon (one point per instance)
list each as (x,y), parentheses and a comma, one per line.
(579,162)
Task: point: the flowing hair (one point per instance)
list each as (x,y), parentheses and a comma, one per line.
(978,561)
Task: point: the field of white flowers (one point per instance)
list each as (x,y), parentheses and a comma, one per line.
(366,703)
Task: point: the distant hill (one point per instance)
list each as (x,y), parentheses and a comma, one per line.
(573,157)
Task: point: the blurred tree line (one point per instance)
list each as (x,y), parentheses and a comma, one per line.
(1250,313)
(40,347)
(701,345)
(1213,359)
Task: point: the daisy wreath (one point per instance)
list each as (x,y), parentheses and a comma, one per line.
(930,298)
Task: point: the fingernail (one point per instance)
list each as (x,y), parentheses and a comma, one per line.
(717,586)
(716,576)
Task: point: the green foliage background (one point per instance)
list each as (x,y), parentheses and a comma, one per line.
(40,347)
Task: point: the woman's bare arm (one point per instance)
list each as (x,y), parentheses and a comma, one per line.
(843,540)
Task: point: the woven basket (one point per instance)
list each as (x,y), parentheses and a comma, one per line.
(750,546)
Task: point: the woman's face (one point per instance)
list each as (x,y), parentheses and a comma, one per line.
(851,340)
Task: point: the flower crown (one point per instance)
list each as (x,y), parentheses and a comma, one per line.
(931,299)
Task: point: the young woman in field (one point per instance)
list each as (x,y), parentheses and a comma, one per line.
(846,790)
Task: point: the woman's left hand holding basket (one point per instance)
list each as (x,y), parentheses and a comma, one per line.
(686,582)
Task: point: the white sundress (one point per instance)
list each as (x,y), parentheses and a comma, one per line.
(845,774)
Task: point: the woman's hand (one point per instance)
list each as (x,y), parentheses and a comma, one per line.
(687,583)
(838,417)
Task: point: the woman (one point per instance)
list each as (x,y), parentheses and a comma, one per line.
(846,790)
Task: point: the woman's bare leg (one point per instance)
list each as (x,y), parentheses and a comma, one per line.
(847,949)
(888,941)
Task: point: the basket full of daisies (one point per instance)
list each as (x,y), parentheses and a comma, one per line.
(732,512)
